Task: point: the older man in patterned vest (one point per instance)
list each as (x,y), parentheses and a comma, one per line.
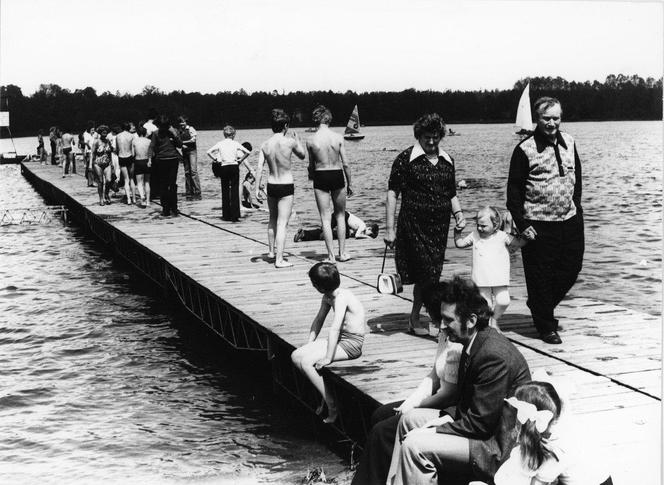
(544,198)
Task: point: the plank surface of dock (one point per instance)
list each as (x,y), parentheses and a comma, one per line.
(219,271)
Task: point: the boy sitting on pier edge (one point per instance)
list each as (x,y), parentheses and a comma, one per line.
(345,337)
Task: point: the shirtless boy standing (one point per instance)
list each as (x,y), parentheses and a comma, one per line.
(126,160)
(327,155)
(277,152)
(69,159)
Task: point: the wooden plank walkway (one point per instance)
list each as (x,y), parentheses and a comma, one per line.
(611,354)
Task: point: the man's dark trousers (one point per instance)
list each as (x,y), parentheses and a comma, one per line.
(551,264)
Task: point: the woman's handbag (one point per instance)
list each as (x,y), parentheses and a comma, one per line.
(388,283)
(216,168)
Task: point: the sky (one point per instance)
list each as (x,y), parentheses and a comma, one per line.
(297,45)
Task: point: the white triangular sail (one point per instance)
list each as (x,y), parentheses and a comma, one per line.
(353,125)
(524,117)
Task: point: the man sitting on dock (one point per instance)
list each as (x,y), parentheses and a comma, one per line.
(475,440)
(277,152)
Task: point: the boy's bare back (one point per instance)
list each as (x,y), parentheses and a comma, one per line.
(325,148)
(123,142)
(354,318)
(141,148)
(277,151)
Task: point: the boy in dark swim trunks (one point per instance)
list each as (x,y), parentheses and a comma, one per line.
(328,157)
(277,152)
(69,160)
(123,143)
(345,338)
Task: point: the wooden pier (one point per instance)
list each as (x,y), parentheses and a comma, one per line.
(219,272)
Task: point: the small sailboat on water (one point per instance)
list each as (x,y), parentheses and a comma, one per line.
(524,117)
(352,131)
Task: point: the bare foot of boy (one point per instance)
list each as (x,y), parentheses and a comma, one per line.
(344,257)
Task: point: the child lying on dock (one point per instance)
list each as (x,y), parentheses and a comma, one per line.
(345,337)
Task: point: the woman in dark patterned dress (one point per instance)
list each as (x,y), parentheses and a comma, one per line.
(424,175)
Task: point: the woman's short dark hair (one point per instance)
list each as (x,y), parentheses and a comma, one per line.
(247,145)
(429,123)
(462,293)
(325,276)
(182,119)
(279,120)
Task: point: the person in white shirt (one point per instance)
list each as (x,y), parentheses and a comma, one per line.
(230,154)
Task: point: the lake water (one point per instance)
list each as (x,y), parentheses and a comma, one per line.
(101,381)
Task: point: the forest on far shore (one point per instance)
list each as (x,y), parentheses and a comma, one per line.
(619,97)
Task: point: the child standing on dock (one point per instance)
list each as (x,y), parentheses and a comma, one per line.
(345,337)
(491,259)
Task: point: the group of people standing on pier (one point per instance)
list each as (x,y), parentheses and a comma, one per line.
(142,158)
(506,427)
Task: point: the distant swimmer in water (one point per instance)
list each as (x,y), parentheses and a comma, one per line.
(328,157)
(277,152)
(344,340)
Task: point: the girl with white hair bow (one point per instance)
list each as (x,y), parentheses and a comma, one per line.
(548,446)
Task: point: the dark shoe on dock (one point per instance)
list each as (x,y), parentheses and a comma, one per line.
(551,338)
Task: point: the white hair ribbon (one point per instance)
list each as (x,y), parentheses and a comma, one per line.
(526,411)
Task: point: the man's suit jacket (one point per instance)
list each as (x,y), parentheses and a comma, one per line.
(489,374)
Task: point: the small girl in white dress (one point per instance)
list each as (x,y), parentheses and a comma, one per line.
(491,259)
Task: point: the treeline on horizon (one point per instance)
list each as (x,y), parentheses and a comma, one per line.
(619,97)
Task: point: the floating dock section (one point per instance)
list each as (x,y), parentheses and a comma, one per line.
(219,272)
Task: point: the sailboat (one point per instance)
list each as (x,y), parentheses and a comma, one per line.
(353,127)
(524,117)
